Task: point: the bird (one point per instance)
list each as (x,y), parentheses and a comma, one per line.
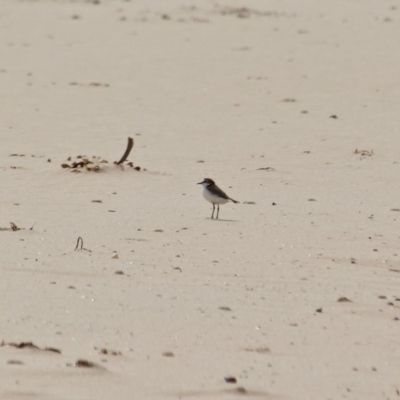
(214,195)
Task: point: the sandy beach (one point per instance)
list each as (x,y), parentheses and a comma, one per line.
(292,108)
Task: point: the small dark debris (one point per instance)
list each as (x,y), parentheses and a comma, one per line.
(274,204)
(96,201)
(266,169)
(364,153)
(52,349)
(395,209)
(22,345)
(261,350)
(241,390)
(319,310)
(84,364)
(14,227)
(168,354)
(119,273)
(224,308)
(334,116)
(382,297)
(30,345)
(230,379)
(109,352)
(15,362)
(344,300)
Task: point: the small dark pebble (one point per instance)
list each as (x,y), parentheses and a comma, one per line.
(274,204)
(382,297)
(119,273)
(319,310)
(168,354)
(230,379)
(333,116)
(223,308)
(96,201)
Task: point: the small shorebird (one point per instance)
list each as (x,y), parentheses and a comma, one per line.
(214,195)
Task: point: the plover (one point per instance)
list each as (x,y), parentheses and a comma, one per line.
(214,195)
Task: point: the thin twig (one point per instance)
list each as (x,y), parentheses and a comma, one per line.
(77,244)
(127,151)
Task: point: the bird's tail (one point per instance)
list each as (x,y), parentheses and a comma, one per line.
(235,201)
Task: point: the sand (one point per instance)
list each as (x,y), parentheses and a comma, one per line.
(292,108)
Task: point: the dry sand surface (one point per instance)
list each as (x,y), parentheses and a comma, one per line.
(292,107)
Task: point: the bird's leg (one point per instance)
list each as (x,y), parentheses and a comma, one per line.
(212,215)
(217,211)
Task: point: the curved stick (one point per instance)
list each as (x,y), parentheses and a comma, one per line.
(127,151)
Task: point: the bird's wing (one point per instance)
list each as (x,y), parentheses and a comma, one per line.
(216,190)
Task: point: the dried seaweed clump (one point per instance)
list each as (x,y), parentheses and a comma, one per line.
(85,163)
(96,164)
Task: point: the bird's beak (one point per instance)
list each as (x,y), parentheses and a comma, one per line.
(200,183)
